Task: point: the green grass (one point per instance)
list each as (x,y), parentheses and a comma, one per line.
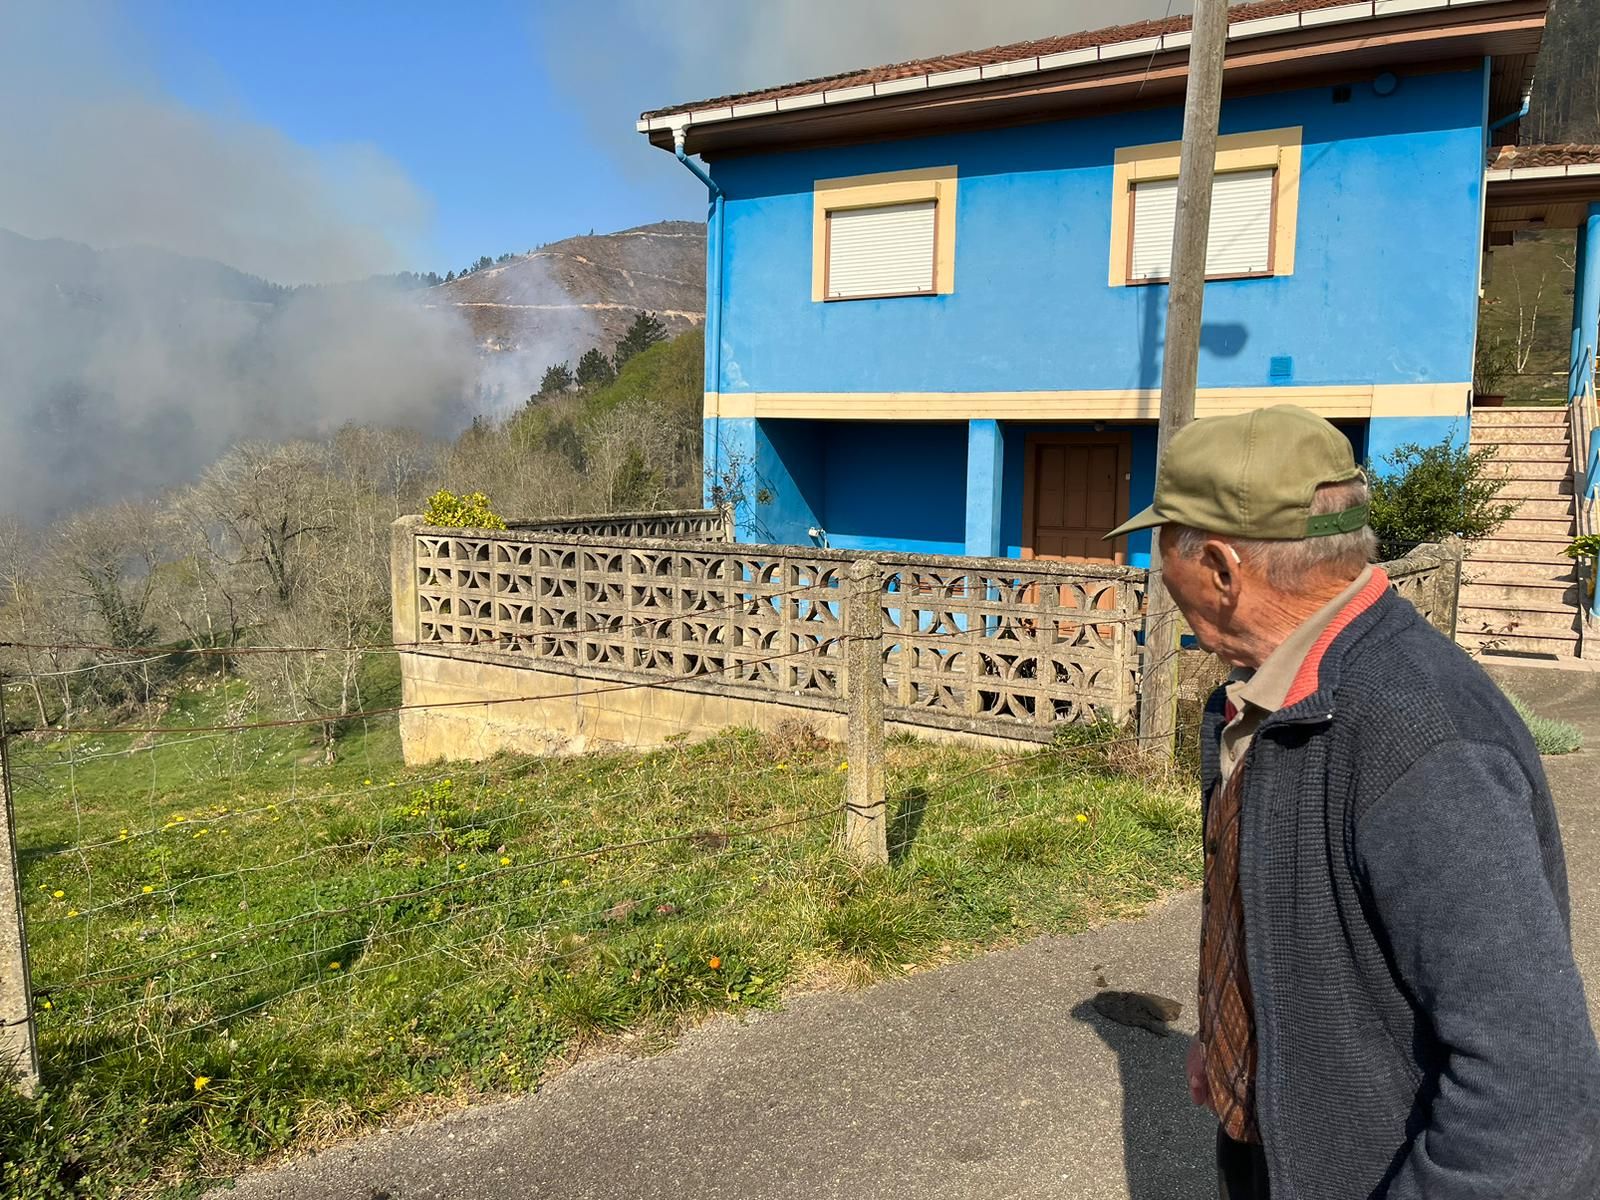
(328,946)
(1549,735)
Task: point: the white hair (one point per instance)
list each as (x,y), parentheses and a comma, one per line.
(1288,562)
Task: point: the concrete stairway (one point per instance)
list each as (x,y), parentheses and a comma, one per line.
(1519,593)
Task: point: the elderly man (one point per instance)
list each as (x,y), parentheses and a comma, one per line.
(1388,1001)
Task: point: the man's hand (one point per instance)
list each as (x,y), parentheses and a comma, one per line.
(1195,1065)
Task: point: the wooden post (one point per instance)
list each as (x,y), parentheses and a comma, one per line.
(866,823)
(1158,690)
(19,1051)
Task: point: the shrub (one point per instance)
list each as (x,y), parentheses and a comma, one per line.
(1434,492)
(1549,735)
(471,511)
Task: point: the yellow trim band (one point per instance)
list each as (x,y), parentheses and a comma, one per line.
(888,187)
(1356,401)
(1276,148)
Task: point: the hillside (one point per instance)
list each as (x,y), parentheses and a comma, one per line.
(556,302)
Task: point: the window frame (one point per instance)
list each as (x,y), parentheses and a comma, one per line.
(883,190)
(1278,150)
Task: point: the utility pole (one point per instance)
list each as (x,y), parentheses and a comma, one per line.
(1158,690)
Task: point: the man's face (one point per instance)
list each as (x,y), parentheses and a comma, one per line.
(1200,588)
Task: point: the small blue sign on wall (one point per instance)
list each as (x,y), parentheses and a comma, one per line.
(1281,368)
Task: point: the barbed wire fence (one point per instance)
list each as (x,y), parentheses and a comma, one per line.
(155,946)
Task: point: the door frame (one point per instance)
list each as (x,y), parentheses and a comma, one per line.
(1124,442)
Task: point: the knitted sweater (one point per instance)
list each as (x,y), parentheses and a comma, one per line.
(1423,1029)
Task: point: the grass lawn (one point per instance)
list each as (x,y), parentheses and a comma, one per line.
(237,949)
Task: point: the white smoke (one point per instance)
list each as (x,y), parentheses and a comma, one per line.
(624,57)
(129,357)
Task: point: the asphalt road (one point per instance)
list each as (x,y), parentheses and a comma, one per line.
(986,1079)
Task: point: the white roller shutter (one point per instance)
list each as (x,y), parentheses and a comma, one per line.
(882,251)
(1240,240)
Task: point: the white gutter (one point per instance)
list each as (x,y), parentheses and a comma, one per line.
(1564,171)
(1368,10)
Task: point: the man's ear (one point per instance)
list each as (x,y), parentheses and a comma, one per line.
(1221,561)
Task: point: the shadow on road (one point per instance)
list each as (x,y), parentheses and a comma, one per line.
(1164,1136)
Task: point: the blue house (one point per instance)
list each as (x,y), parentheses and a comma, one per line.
(936,299)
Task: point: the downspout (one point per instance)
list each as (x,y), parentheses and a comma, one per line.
(713,359)
(1527,102)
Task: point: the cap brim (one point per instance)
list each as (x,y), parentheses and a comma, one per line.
(1148,519)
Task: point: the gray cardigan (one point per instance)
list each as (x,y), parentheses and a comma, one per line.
(1423,1030)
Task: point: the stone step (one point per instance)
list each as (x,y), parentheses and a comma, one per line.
(1536,528)
(1547,646)
(1557,620)
(1541,507)
(1504,418)
(1536,552)
(1515,468)
(1523,596)
(1538,489)
(1520,435)
(1528,451)
(1555,573)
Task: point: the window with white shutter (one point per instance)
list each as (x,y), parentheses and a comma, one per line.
(884,250)
(1241,235)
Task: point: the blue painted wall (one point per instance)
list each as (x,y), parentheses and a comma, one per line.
(1384,289)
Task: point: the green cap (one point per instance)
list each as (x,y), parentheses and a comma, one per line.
(1252,476)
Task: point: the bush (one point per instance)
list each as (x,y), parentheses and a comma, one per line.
(471,511)
(1549,735)
(1434,492)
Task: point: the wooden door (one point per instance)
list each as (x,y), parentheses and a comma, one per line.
(1075,491)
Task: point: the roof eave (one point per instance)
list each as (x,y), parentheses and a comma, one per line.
(1364,34)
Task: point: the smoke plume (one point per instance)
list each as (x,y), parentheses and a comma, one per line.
(695,49)
(129,356)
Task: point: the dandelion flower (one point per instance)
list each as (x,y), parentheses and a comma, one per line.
(844,766)
(715,963)
(461,866)
(366,783)
(505,861)
(147,889)
(1082,818)
(200,1082)
(566,883)
(72,912)
(47,1004)
(58,893)
(333,966)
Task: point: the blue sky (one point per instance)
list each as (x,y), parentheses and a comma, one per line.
(317,142)
(459,96)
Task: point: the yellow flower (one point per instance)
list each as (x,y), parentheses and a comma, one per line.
(504,861)
(461,866)
(566,883)
(333,966)
(147,889)
(716,963)
(844,766)
(1082,818)
(72,912)
(58,893)
(47,1004)
(366,783)
(200,1082)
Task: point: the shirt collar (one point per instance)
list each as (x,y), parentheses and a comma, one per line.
(1267,687)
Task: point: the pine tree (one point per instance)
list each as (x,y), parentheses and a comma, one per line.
(557,379)
(449,276)
(594,369)
(645,332)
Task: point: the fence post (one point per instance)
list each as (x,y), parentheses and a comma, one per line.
(19,1051)
(1447,596)
(866,816)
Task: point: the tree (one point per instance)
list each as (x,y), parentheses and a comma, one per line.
(449,276)
(595,369)
(557,379)
(645,332)
(1435,492)
(483,261)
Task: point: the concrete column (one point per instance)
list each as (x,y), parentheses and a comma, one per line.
(19,1053)
(985,475)
(1586,301)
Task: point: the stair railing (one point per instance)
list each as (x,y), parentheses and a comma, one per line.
(1584,419)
